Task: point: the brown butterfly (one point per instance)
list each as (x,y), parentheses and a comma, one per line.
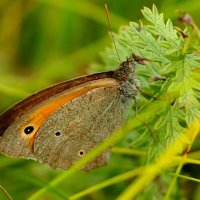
(58,125)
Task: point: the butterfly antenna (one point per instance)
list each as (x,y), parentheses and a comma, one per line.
(109,24)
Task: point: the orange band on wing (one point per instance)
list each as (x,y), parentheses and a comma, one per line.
(43,112)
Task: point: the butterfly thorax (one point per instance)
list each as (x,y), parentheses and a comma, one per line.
(129,82)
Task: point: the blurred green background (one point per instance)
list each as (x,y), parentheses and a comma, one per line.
(47,41)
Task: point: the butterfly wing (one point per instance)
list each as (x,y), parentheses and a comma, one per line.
(67,125)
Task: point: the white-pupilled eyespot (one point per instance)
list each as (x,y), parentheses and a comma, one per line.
(28,130)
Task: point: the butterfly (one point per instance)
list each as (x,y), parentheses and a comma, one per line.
(60,124)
